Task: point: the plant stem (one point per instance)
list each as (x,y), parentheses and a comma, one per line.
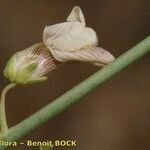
(76,93)
(3,120)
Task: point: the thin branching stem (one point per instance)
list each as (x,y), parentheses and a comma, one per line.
(3,119)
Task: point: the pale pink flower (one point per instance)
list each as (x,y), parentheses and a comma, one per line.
(73,41)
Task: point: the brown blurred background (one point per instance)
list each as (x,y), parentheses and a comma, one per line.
(116,116)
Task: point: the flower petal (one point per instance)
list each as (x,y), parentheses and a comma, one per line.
(76,15)
(94,55)
(72,42)
(52,32)
(56,30)
(70,36)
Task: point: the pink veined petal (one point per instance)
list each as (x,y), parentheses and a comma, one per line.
(95,55)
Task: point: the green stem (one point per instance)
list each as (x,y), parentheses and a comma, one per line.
(3,120)
(76,93)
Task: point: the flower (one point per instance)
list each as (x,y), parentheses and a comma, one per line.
(67,41)
(30,65)
(73,41)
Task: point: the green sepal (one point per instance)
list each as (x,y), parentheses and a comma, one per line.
(24,75)
(9,71)
(30,68)
(39,80)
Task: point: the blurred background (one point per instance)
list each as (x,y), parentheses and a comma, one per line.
(116,115)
